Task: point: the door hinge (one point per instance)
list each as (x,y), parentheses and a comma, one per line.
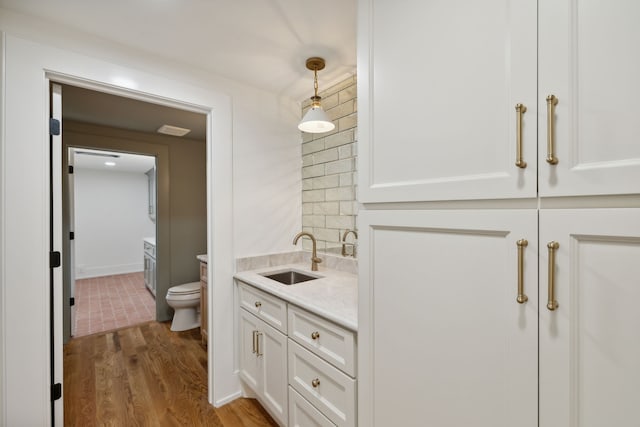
(54,259)
(70,168)
(54,126)
(56,391)
(72,235)
(72,301)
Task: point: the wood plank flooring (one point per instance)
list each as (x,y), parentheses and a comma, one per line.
(146,375)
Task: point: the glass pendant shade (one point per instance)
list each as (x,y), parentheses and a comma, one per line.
(316,121)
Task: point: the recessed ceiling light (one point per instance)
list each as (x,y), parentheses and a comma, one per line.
(110,163)
(173,130)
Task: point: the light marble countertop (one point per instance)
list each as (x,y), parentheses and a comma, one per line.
(334,296)
(150,240)
(202,258)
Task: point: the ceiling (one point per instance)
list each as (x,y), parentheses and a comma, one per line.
(99,108)
(124,162)
(262,43)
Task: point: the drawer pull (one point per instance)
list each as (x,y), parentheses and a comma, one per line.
(552,101)
(315,335)
(258,335)
(522,298)
(552,304)
(520,110)
(315,383)
(255,339)
(258,304)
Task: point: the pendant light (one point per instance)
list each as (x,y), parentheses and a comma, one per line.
(316,120)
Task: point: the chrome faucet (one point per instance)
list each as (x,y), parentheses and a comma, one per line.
(314,256)
(353,245)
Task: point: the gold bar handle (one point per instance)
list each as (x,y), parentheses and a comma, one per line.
(552,304)
(552,101)
(522,298)
(254,351)
(258,335)
(520,110)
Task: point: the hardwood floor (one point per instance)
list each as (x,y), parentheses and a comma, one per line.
(146,375)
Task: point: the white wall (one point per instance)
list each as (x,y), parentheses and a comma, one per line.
(111,219)
(252,166)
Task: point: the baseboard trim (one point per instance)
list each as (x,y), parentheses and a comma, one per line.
(227,399)
(108,270)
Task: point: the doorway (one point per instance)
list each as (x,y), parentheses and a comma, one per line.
(97,121)
(111,198)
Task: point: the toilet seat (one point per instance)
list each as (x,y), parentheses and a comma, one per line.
(186,289)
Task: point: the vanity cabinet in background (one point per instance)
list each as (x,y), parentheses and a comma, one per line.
(151,193)
(204,314)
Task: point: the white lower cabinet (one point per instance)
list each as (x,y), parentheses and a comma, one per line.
(314,365)
(324,386)
(263,364)
(442,339)
(590,344)
(304,414)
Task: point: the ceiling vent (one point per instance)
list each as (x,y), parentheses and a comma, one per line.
(173,130)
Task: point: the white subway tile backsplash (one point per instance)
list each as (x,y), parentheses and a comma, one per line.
(328,169)
(325,156)
(313,196)
(340,166)
(313,171)
(313,146)
(340,193)
(326,208)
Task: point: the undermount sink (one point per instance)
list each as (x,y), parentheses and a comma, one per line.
(290,277)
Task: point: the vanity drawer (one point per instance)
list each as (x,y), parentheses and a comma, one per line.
(303,414)
(266,307)
(323,385)
(331,342)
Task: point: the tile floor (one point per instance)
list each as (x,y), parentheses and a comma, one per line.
(111,302)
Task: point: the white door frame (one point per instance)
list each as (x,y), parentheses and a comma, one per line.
(28,67)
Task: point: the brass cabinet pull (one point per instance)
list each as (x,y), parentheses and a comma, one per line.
(552,101)
(315,335)
(258,335)
(258,304)
(255,339)
(520,110)
(552,304)
(315,383)
(522,298)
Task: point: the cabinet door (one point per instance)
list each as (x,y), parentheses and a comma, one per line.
(590,344)
(438,82)
(442,340)
(272,349)
(589,60)
(250,364)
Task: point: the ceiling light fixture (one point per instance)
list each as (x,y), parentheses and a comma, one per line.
(316,120)
(173,130)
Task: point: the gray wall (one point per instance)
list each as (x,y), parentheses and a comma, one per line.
(181,206)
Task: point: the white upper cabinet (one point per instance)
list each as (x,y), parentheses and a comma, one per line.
(589,59)
(438,83)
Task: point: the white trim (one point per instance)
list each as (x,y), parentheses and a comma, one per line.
(109,270)
(3,392)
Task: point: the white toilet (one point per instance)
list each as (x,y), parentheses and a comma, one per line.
(185,301)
